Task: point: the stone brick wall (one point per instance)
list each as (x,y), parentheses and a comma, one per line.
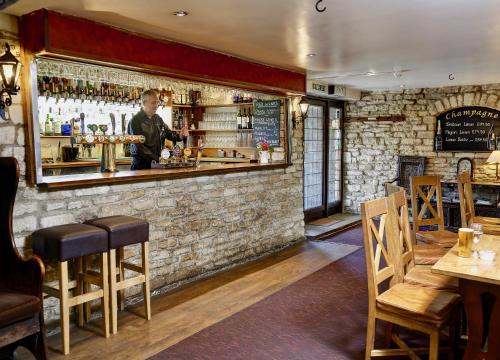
(197,225)
(371,147)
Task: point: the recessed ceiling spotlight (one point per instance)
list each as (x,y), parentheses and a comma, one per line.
(311,55)
(370,73)
(180,13)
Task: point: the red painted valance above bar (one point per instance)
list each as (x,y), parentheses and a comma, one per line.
(51,33)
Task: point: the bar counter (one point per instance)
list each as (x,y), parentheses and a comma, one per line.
(81,180)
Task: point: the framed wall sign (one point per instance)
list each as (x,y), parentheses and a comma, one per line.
(469,128)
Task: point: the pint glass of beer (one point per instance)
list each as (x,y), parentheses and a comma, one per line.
(465,236)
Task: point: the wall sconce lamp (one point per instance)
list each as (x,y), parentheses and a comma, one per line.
(10,69)
(303,108)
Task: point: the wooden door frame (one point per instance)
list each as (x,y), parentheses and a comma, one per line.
(326,209)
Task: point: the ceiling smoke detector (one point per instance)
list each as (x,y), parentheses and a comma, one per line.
(180,13)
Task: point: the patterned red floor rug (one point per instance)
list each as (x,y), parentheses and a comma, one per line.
(322,316)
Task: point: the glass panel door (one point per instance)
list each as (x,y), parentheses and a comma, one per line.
(313,158)
(334,177)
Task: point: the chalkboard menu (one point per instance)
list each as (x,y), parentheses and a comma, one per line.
(266,121)
(468,128)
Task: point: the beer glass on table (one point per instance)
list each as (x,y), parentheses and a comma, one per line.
(478,232)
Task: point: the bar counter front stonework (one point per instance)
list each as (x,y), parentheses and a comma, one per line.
(198,224)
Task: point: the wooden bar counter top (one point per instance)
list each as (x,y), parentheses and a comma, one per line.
(81,180)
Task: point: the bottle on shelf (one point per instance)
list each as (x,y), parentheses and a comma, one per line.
(245,119)
(49,124)
(250,116)
(58,123)
(438,139)
(492,144)
(239,119)
(66,129)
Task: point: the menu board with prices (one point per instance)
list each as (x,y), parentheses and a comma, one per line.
(469,128)
(266,121)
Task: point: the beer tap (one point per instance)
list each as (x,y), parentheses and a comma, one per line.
(113,123)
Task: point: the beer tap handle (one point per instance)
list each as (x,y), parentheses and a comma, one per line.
(113,123)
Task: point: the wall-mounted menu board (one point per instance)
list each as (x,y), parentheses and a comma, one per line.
(468,128)
(266,121)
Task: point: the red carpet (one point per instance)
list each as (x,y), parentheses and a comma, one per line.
(322,316)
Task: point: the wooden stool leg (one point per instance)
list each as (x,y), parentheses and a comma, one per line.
(64,308)
(79,289)
(145,285)
(112,291)
(86,287)
(434,346)
(121,277)
(105,296)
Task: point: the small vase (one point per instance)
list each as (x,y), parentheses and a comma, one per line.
(264,157)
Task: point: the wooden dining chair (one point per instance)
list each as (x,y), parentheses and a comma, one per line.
(425,189)
(414,307)
(403,249)
(467,211)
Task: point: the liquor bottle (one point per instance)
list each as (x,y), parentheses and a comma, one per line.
(57,123)
(49,124)
(438,139)
(180,116)
(491,139)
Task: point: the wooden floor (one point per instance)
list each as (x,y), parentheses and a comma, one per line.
(185,311)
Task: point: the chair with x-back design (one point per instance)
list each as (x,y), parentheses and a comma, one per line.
(426,191)
(404,250)
(414,307)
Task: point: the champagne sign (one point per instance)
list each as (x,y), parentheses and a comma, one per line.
(266,121)
(470,128)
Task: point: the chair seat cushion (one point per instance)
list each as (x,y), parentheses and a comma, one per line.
(417,302)
(443,238)
(123,230)
(65,242)
(426,254)
(15,306)
(422,275)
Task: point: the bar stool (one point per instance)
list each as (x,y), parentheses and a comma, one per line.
(73,242)
(124,231)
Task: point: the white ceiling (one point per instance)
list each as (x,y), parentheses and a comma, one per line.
(423,41)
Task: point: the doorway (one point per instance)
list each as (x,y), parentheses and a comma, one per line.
(323,130)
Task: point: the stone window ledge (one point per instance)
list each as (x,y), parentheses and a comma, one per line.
(84,180)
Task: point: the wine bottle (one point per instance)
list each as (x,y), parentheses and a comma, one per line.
(250,116)
(244,121)
(438,139)
(239,119)
(491,139)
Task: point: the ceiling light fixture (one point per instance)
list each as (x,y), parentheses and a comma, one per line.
(370,73)
(180,13)
(311,55)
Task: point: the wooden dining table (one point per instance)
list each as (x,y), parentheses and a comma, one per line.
(479,283)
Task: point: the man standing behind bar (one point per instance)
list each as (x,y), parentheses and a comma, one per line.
(146,122)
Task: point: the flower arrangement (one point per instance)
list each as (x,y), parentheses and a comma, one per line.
(264,146)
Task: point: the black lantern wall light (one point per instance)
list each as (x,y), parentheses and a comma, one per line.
(303,108)
(10,69)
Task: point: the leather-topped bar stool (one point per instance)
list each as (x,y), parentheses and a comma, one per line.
(73,242)
(124,231)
